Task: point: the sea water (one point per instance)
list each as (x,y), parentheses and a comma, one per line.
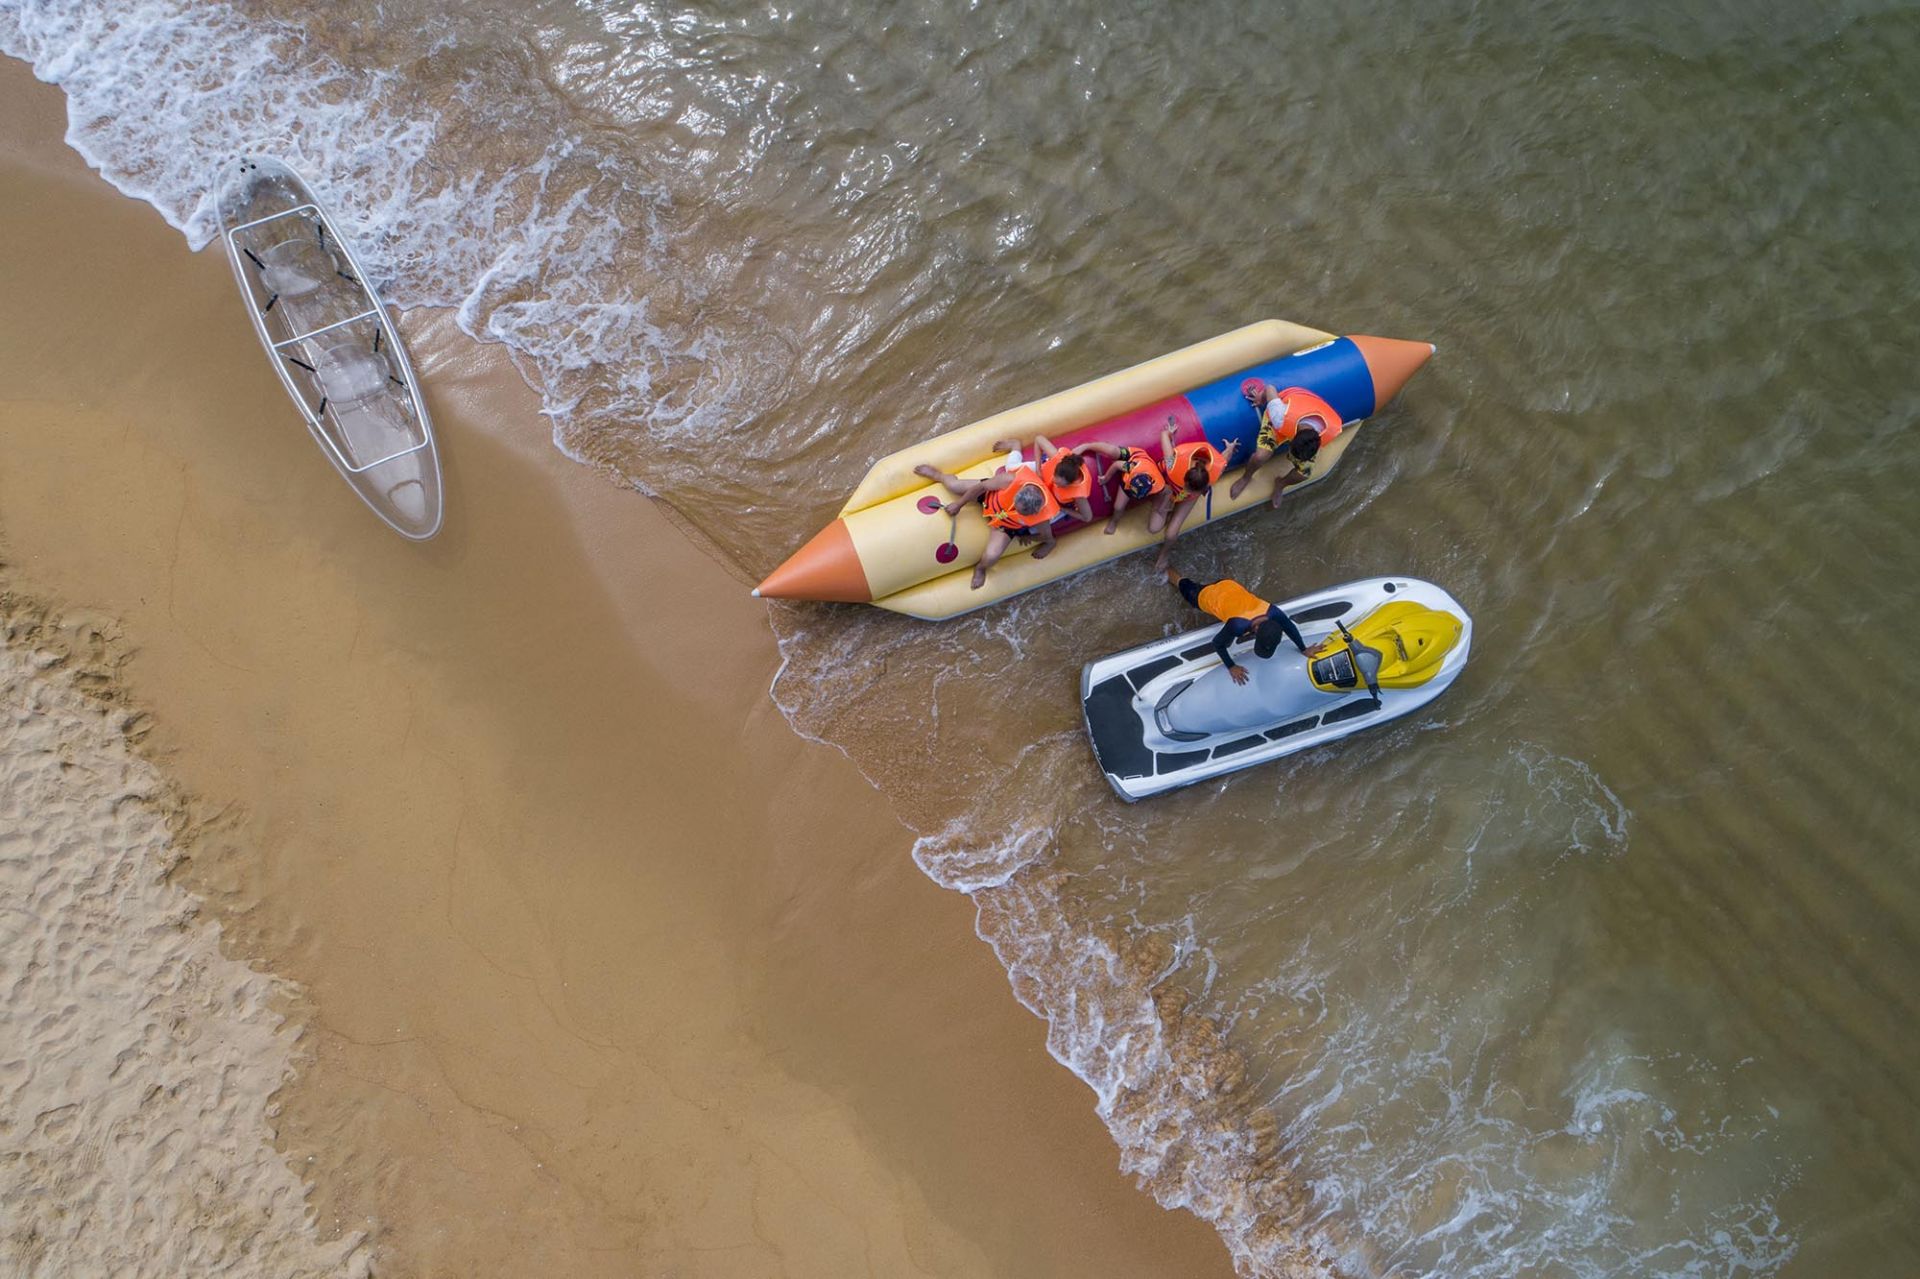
(1604,965)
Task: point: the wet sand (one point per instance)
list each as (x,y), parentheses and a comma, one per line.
(603,970)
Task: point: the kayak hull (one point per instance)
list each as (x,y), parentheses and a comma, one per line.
(331,342)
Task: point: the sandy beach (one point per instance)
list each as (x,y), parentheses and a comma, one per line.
(589,964)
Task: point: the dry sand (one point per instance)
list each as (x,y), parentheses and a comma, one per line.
(138,1063)
(601,969)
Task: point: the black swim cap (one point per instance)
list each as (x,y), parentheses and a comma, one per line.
(1267,636)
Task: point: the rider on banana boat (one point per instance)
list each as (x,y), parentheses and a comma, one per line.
(1191,470)
(1135,477)
(1064,472)
(1295,422)
(1021,500)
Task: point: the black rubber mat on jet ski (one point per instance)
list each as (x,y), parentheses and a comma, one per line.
(1288,730)
(1321,612)
(1352,710)
(1119,741)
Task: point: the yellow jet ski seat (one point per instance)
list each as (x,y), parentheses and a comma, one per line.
(1400,644)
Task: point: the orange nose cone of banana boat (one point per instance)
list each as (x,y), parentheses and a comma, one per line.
(1392,362)
(826,568)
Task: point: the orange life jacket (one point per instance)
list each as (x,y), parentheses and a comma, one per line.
(999,509)
(1303,404)
(1183,459)
(1139,474)
(1330,432)
(1226,599)
(1066,494)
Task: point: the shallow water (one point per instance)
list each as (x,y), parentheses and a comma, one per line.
(1604,966)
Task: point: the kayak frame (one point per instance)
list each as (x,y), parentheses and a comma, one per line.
(316,417)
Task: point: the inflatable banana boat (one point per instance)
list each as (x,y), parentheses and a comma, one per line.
(894,546)
(1168,714)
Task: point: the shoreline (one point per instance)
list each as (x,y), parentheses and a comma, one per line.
(500,807)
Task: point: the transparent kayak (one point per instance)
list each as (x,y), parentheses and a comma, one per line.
(329,338)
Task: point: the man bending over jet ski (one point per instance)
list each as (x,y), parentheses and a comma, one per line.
(1242,612)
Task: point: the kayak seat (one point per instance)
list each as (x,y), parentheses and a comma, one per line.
(349,373)
(295,268)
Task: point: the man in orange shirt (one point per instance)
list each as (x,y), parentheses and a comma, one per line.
(1241,613)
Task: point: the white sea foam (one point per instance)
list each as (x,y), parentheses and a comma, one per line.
(543,251)
(1165,1087)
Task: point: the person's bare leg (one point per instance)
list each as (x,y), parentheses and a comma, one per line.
(1173,531)
(1119,509)
(955,485)
(1254,463)
(1161,505)
(1280,487)
(997,543)
(1045,535)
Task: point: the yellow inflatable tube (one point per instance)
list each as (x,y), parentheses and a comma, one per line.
(893,546)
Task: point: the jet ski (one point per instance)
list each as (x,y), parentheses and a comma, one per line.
(1168,714)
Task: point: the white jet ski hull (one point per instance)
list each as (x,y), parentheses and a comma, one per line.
(1167,714)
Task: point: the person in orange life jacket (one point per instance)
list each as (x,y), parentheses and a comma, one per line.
(1241,613)
(1306,446)
(1021,500)
(1191,471)
(1067,476)
(1139,478)
(1294,422)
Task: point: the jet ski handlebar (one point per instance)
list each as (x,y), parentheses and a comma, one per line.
(1360,663)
